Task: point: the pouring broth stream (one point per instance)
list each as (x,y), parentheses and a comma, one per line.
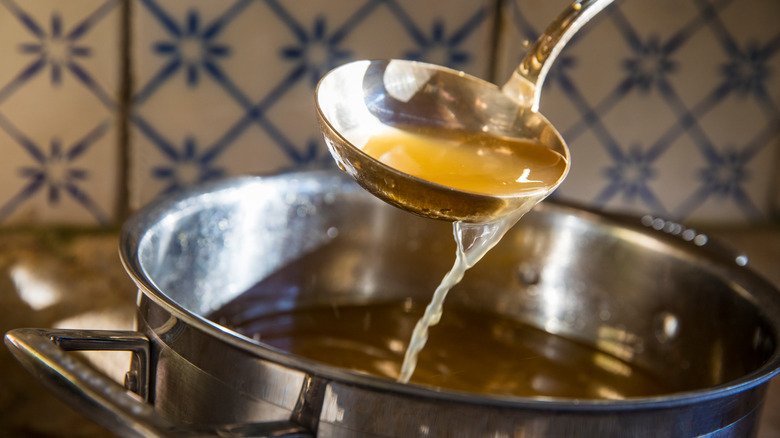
(474,162)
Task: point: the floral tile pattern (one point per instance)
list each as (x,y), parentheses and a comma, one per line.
(224,88)
(59,108)
(670,107)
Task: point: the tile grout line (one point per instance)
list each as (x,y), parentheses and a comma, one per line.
(122,209)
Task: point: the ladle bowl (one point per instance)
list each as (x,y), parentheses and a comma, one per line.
(357,99)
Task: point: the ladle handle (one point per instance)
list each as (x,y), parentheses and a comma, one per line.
(526,82)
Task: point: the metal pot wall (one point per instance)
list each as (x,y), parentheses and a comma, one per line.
(655,294)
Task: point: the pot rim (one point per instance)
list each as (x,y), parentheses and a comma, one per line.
(135,228)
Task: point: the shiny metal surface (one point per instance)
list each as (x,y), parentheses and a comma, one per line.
(43,353)
(651,297)
(670,302)
(355,99)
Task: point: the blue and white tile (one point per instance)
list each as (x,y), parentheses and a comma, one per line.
(670,107)
(60,82)
(226,88)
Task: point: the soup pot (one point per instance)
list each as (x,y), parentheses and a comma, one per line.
(648,291)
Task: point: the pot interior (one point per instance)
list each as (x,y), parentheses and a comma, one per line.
(257,249)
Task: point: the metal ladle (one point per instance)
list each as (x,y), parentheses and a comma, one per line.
(355,100)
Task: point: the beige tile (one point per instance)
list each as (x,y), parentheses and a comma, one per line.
(59,99)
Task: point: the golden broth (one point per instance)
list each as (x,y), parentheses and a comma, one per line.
(474,162)
(470,351)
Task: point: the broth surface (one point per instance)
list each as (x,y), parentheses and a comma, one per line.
(470,351)
(474,162)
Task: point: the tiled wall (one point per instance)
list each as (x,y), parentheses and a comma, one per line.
(60,117)
(669,106)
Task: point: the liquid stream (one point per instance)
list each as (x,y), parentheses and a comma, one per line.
(474,162)
(473,241)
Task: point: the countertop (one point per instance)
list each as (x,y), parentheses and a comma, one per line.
(79,283)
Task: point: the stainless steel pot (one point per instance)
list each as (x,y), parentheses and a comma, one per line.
(654,293)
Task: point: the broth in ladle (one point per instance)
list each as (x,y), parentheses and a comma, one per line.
(472,162)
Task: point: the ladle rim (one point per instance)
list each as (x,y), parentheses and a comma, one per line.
(330,132)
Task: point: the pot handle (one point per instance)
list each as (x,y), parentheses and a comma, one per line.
(43,353)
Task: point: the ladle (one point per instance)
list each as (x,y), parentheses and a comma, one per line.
(354,100)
